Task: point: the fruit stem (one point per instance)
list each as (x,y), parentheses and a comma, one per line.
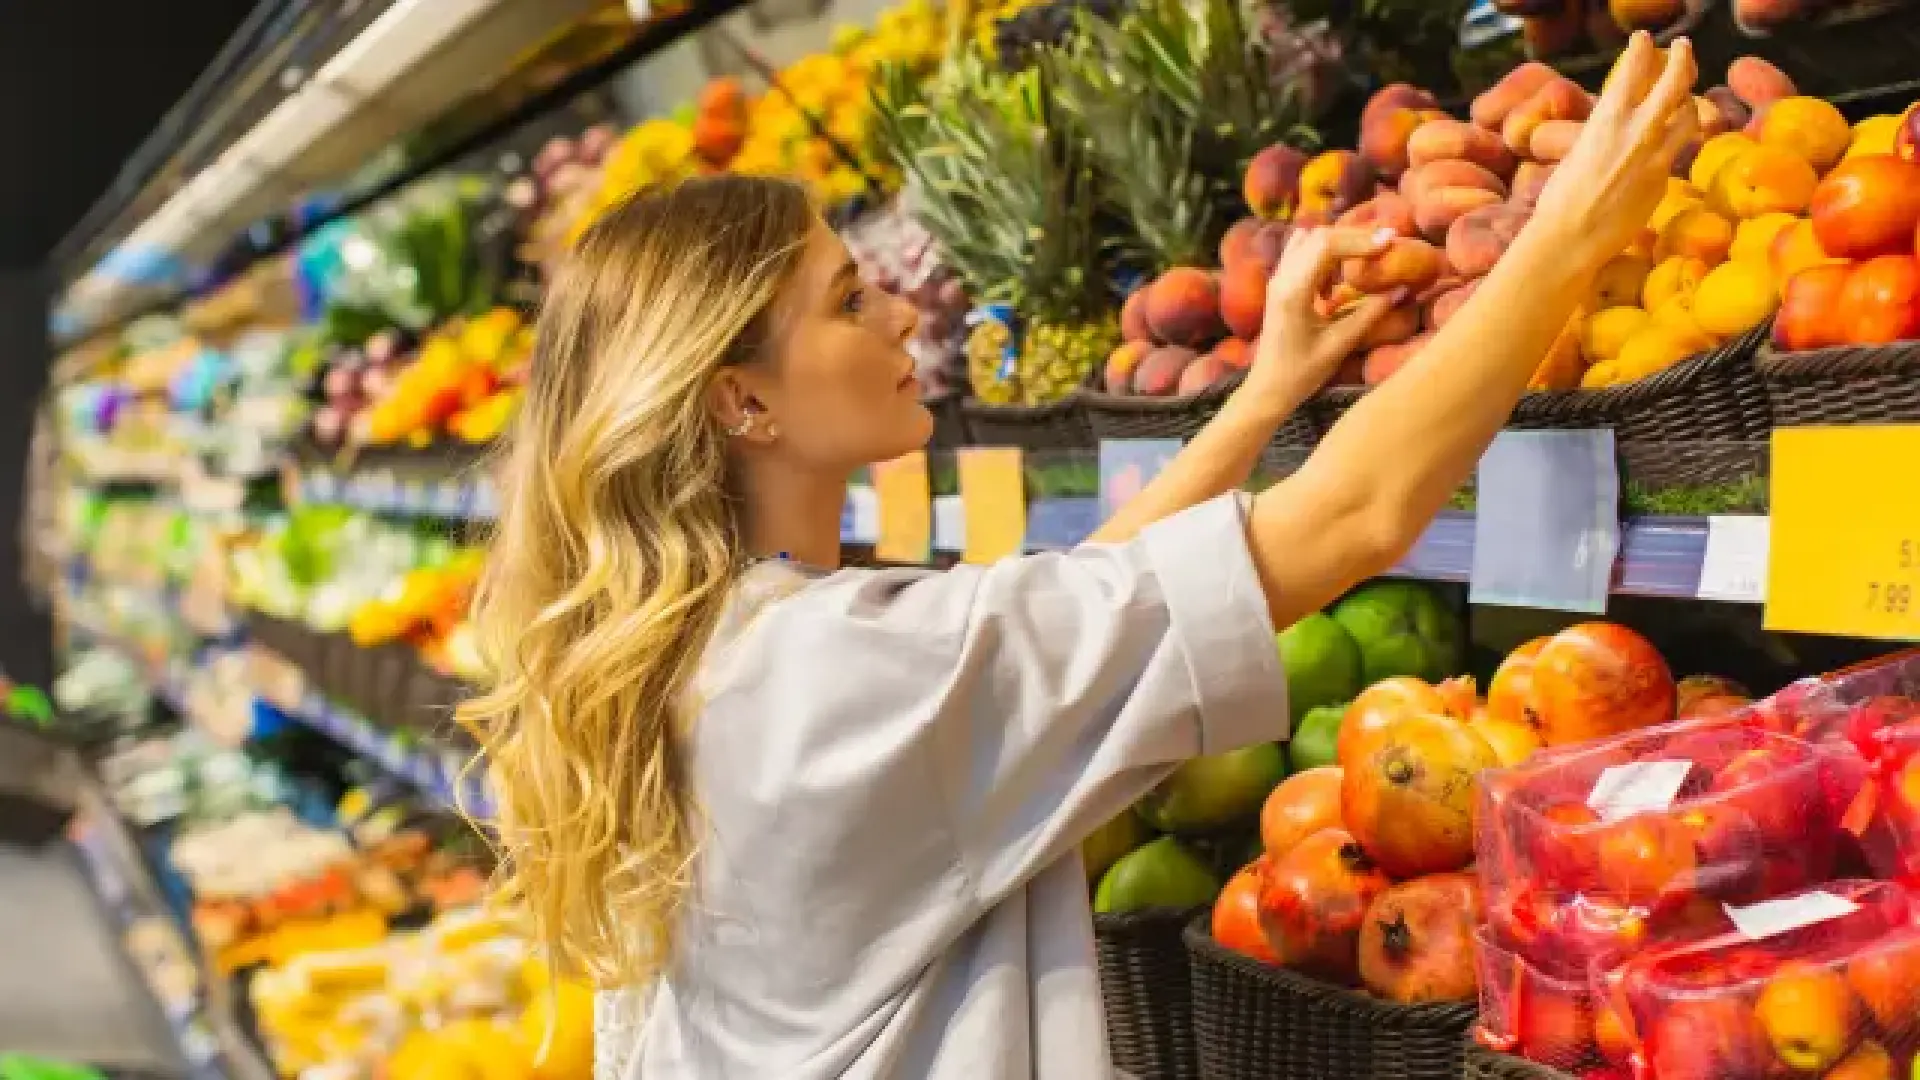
(1396,938)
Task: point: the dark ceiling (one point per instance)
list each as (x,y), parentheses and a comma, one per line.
(81,83)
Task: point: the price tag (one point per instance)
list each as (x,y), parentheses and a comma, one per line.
(906,509)
(1733,568)
(1844,554)
(1127,466)
(1638,788)
(1770,917)
(949,523)
(1547,522)
(993,487)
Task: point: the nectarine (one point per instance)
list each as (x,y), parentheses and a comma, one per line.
(1159,372)
(1714,155)
(1334,182)
(1795,249)
(1809,306)
(1183,307)
(1733,298)
(1764,180)
(1620,282)
(1867,206)
(1695,232)
(1272,183)
(1758,82)
(1491,108)
(1809,127)
(1881,301)
(1243,299)
(1606,331)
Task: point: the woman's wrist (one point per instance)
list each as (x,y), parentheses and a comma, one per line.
(1274,391)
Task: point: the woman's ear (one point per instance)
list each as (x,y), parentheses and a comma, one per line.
(739,411)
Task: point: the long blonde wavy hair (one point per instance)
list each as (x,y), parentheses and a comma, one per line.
(614,554)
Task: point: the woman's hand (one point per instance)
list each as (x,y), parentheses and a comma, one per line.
(1602,194)
(1298,350)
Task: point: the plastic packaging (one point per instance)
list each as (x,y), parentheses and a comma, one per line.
(1823,982)
(1592,851)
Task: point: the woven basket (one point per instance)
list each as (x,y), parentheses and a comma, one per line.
(1125,416)
(1853,47)
(1255,1021)
(949,423)
(1062,425)
(1852,384)
(1146,991)
(1480,1063)
(1714,397)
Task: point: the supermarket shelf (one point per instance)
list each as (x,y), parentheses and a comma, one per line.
(206,1024)
(1659,556)
(382,491)
(443,776)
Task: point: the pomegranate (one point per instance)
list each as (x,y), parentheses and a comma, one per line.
(1379,705)
(1598,679)
(1302,805)
(1409,799)
(1417,942)
(1313,901)
(1236,914)
(1510,694)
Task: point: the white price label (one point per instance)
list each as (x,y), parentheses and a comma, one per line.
(1770,917)
(949,523)
(1642,787)
(865,526)
(1733,568)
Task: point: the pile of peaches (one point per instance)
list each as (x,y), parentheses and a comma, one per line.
(1366,878)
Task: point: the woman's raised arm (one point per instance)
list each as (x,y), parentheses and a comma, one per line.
(1391,463)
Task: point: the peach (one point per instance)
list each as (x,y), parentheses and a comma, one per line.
(1867,206)
(1387,210)
(1649,15)
(1476,241)
(1809,308)
(1559,99)
(1448,174)
(1272,183)
(1620,282)
(1796,248)
(1386,138)
(1393,97)
(1874,135)
(1562,367)
(1441,309)
(1243,299)
(1407,263)
(1753,238)
(1655,348)
(1491,108)
(1906,141)
(1695,231)
(1554,139)
(1158,373)
(1383,361)
(1680,195)
(1236,353)
(1117,376)
(1334,182)
(1438,210)
(1397,325)
(1237,244)
(1183,307)
(1808,126)
(1735,112)
(1881,301)
(1133,317)
(1529,180)
(1604,34)
(1678,277)
(1714,155)
(1757,82)
(1606,331)
(1712,121)
(1764,180)
(1446,139)
(1200,373)
(1734,298)
(1758,18)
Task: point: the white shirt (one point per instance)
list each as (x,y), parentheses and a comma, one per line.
(895,769)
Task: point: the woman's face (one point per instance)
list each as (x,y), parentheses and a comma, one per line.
(840,387)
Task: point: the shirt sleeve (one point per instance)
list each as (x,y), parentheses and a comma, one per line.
(1052,691)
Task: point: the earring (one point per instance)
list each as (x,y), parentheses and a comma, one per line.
(745,425)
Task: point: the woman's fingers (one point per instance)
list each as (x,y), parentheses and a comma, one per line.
(1344,334)
(1674,89)
(1633,74)
(1311,259)
(1682,128)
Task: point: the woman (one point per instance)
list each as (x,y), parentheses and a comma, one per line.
(821,823)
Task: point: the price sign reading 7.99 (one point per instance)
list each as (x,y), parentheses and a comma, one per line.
(1845,553)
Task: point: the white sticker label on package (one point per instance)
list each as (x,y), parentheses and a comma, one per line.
(1770,917)
(1733,568)
(1642,787)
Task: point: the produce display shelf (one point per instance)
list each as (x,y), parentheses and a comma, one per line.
(441,775)
(205,1022)
(381,492)
(1659,556)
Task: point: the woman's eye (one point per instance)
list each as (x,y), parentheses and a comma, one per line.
(855,301)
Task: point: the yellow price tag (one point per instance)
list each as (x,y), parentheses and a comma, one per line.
(1845,551)
(906,509)
(993,491)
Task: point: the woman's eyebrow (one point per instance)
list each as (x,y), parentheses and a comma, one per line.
(847,270)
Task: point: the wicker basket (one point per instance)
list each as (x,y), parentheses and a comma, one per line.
(1480,1063)
(1062,425)
(1853,47)
(1148,997)
(1852,384)
(1255,1021)
(949,422)
(1124,416)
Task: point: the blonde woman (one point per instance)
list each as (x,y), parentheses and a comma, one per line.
(806,822)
